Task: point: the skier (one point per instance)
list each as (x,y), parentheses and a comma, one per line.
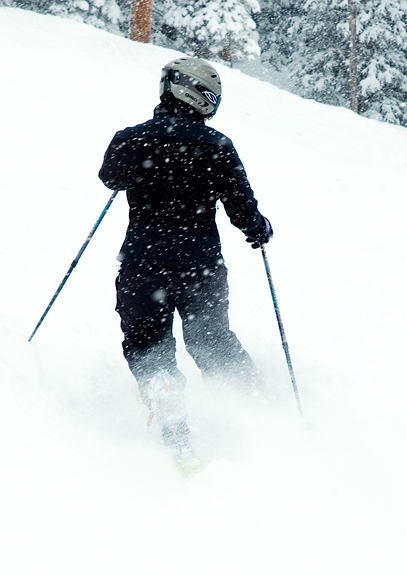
(174,169)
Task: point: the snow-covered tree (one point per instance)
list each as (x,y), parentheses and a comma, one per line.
(383,59)
(273,21)
(319,52)
(162,33)
(217,29)
(99,13)
(319,62)
(104,14)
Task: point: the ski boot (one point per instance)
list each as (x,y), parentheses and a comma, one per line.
(167,403)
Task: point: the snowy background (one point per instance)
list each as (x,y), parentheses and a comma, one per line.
(84,488)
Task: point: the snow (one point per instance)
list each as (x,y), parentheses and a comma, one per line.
(85,489)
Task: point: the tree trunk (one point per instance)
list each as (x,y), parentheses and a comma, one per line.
(226,54)
(352,61)
(140,28)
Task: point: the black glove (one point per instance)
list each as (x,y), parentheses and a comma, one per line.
(261,237)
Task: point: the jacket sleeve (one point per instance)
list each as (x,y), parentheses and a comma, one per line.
(237,195)
(111,172)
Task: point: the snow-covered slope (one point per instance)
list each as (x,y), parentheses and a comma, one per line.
(84,488)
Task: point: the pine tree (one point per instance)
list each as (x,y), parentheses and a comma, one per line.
(383,59)
(104,14)
(217,29)
(315,52)
(163,34)
(273,21)
(319,62)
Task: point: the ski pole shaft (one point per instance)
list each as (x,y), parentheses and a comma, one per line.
(281,328)
(74,262)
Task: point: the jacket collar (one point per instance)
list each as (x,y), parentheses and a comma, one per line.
(178,109)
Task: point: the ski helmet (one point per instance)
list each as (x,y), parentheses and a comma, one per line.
(193,81)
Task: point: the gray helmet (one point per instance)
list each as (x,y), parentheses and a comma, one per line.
(193,81)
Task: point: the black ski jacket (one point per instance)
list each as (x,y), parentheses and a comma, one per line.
(174,169)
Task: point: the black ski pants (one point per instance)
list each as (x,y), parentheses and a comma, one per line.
(146,301)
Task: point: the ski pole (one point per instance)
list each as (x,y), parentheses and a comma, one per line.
(281,327)
(74,262)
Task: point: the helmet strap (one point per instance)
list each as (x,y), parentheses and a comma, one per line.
(167,80)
